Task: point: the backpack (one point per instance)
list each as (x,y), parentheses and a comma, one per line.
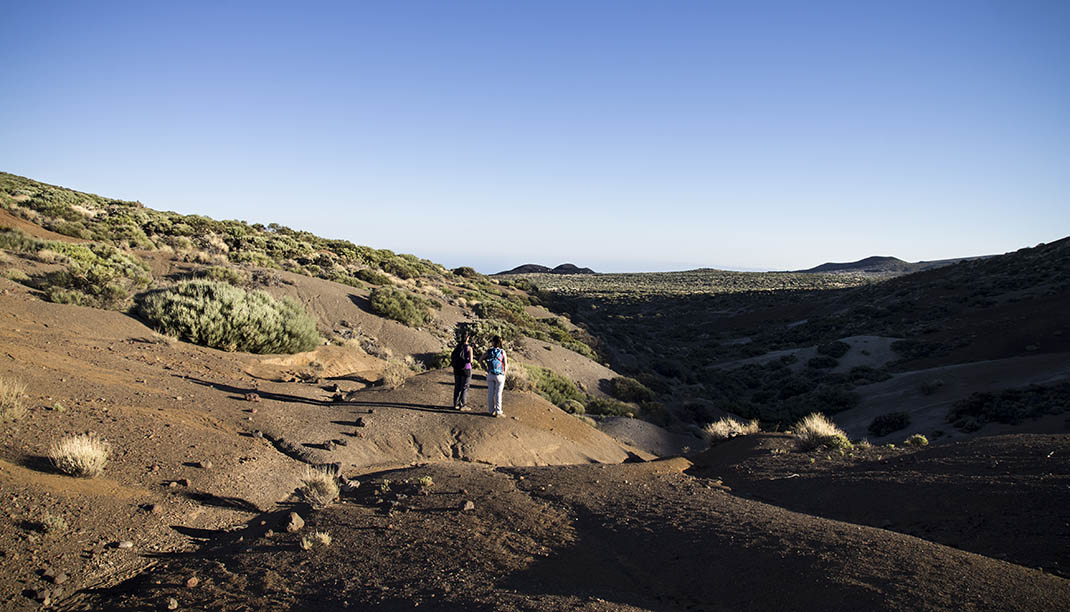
(460,357)
(496,361)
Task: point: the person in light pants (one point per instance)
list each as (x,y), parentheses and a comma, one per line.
(496,368)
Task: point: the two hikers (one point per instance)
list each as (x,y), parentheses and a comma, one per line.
(495,361)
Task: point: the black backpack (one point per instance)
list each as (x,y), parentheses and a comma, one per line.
(459,358)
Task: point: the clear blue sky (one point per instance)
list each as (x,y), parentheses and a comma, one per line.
(613,134)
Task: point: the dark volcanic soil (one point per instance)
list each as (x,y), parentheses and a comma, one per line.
(640,536)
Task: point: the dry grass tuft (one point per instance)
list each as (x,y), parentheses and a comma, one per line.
(394,375)
(316,539)
(319,487)
(82,455)
(519,379)
(728,427)
(815,430)
(12,394)
(916,440)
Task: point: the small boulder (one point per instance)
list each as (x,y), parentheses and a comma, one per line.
(295,523)
(468,506)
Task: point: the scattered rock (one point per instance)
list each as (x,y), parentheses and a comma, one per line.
(192,581)
(360,422)
(329,445)
(173,484)
(184,482)
(295,524)
(259,435)
(172,603)
(204,465)
(252,397)
(468,506)
(125,544)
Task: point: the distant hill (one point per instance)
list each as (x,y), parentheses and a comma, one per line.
(884,266)
(565,268)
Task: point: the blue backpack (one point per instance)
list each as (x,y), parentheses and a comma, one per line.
(496,361)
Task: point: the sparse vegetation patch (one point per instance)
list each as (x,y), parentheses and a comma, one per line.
(12,399)
(815,430)
(885,424)
(727,427)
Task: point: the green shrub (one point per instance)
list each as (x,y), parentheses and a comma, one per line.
(916,440)
(466,272)
(555,387)
(610,407)
(229,275)
(372,277)
(1011,406)
(885,424)
(574,407)
(393,303)
(630,390)
(17,275)
(222,316)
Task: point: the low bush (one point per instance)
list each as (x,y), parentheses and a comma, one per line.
(555,387)
(916,440)
(885,424)
(1011,406)
(319,487)
(82,455)
(815,430)
(12,397)
(609,407)
(630,390)
(574,407)
(222,316)
(17,275)
(394,375)
(519,379)
(728,427)
(229,275)
(466,272)
(401,306)
(372,277)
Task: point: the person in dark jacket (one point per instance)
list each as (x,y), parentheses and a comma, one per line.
(462,372)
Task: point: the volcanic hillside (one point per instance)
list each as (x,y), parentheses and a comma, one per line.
(224,450)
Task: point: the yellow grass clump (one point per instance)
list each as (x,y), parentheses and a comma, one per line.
(12,394)
(728,427)
(815,430)
(82,455)
(319,487)
(315,539)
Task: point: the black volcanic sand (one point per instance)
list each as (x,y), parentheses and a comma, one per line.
(643,536)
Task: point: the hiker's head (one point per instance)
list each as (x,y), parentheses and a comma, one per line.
(496,341)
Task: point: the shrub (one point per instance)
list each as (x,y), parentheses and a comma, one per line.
(229,275)
(466,272)
(728,427)
(815,430)
(53,524)
(222,316)
(1011,406)
(885,424)
(629,390)
(519,379)
(555,387)
(17,275)
(931,386)
(574,407)
(393,303)
(318,487)
(916,440)
(316,539)
(394,375)
(609,407)
(82,455)
(12,395)
(372,277)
